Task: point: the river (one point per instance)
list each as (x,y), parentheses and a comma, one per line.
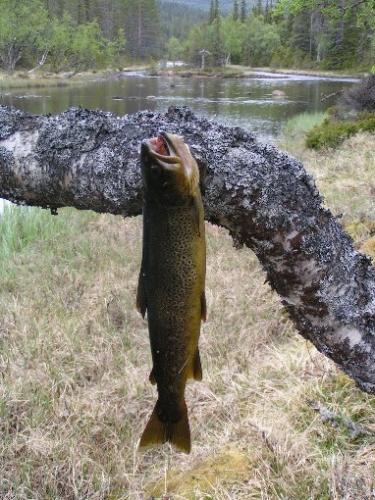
(247,102)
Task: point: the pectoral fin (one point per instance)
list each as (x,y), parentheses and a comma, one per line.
(141,296)
(203,307)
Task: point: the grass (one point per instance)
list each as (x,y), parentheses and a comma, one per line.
(75,359)
(298,126)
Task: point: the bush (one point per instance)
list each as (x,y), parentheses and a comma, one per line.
(331,134)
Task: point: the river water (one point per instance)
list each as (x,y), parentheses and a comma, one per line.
(247,102)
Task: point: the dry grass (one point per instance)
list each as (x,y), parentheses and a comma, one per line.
(75,359)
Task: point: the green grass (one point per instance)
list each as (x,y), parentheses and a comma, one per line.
(300,125)
(22,227)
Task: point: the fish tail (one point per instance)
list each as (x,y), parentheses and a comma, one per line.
(176,433)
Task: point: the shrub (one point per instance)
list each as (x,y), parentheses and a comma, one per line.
(330,134)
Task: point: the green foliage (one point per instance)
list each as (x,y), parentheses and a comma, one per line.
(208,36)
(336,35)
(77,35)
(260,42)
(23,25)
(88,47)
(95,33)
(196,41)
(331,134)
(81,47)
(252,42)
(174,49)
(234,35)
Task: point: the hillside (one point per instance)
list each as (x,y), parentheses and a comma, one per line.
(205,4)
(178,19)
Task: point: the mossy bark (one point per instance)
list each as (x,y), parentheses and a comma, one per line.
(265,198)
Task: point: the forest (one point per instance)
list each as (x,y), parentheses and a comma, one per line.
(72,34)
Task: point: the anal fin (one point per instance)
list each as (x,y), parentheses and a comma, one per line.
(141,296)
(203,307)
(152,378)
(197,366)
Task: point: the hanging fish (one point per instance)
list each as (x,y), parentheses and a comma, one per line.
(171,282)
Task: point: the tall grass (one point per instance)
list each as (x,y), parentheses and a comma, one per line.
(299,125)
(20,227)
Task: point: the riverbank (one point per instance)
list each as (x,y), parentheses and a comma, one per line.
(309,72)
(41,79)
(75,361)
(237,71)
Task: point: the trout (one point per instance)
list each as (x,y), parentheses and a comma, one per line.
(171,282)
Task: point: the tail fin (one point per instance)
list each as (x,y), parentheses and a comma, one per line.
(158,432)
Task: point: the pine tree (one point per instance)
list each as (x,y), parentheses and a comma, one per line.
(216,9)
(212,11)
(217,43)
(236,10)
(258,10)
(243,11)
(142,28)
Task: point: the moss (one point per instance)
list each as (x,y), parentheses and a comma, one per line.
(331,134)
(229,466)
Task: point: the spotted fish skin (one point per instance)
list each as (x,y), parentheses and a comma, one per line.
(171,285)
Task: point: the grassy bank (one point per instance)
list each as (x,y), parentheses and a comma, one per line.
(40,79)
(75,360)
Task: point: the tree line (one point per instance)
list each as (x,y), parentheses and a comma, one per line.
(326,34)
(83,34)
(77,34)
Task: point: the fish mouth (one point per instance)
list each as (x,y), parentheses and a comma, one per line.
(161,149)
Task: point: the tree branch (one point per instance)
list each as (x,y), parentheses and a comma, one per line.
(265,198)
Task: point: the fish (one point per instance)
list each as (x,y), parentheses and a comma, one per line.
(171,285)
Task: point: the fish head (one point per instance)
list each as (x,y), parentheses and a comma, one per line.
(170,172)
